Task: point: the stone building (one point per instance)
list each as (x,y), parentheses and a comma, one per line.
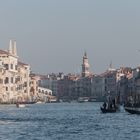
(104,85)
(14,76)
(98,87)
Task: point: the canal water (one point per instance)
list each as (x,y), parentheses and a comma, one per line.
(66,121)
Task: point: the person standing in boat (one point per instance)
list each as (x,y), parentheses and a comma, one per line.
(104,105)
(114,103)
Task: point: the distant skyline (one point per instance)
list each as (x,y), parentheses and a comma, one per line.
(52,35)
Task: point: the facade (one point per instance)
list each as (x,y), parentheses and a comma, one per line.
(98,87)
(34,86)
(104,85)
(124,83)
(14,76)
(66,87)
(83,87)
(51,82)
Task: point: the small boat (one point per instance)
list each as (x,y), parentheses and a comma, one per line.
(108,110)
(132,110)
(92,99)
(39,102)
(18,105)
(83,99)
(110,107)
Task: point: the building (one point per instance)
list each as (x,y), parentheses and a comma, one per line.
(50,81)
(14,76)
(98,87)
(23,81)
(34,86)
(66,87)
(104,85)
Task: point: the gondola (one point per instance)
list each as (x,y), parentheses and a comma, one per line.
(108,110)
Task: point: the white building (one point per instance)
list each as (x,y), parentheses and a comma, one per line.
(14,76)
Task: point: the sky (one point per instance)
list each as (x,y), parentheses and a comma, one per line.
(52,35)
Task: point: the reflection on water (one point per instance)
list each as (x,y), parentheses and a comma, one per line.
(67,121)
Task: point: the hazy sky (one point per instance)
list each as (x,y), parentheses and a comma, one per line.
(52,35)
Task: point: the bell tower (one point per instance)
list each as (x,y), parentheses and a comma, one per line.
(85,66)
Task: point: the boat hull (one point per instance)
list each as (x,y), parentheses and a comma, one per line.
(21,105)
(132,110)
(108,110)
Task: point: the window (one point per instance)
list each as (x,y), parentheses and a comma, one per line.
(15,67)
(6,80)
(6,66)
(6,88)
(11,66)
(25,84)
(12,80)
(1,81)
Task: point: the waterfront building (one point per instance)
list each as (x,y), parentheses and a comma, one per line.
(50,81)
(3,96)
(104,85)
(14,78)
(22,82)
(34,86)
(136,84)
(125,84)
(98,87)
(66,87)
(83,86)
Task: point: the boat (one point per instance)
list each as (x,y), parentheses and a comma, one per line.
(83,99)
(108,110)
(132,106)
(111,106)
(132,110)
(18,105)
(40,102)
(92,99)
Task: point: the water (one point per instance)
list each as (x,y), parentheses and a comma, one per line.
(66,121)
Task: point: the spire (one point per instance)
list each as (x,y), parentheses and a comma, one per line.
(110,66)
(15,48)
(85,54)
(10,47)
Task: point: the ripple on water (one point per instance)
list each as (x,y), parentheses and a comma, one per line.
(66,122)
